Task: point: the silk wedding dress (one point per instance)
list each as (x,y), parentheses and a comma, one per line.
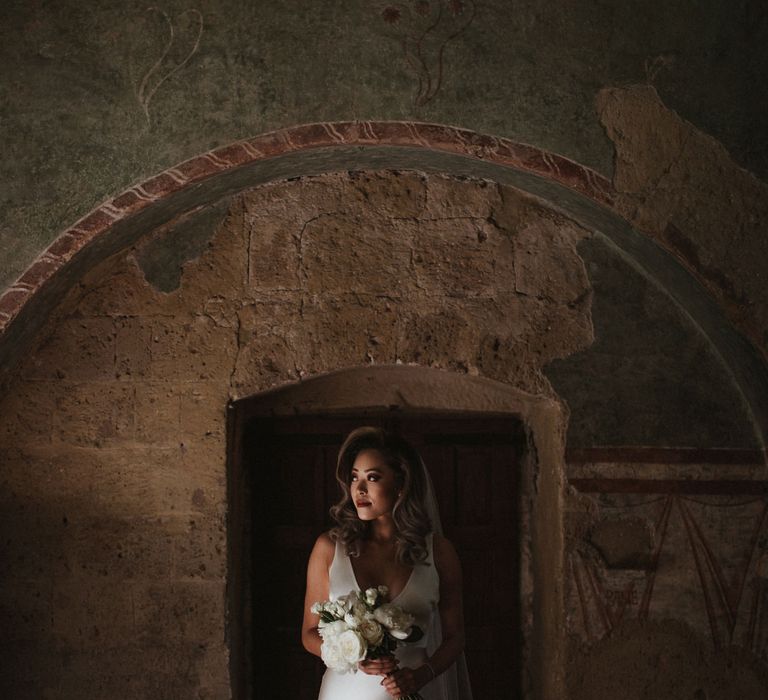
(419,597)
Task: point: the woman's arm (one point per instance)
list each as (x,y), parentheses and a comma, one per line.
(317,590)
(451,610)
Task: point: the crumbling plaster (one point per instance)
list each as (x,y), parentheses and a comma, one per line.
(119,409)
(681,187)
(114,444)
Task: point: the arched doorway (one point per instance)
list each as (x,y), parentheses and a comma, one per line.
(483,443)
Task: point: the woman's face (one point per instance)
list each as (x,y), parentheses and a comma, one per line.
(373,485)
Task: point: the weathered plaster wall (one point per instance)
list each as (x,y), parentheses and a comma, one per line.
(112,434)
(113,444)
(682,187)
(134,370)
(650,377)
(92,101)
(666,568)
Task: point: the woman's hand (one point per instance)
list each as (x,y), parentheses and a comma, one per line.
(378,667)
(406,681)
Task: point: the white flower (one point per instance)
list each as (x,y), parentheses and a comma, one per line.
(342,652)
(371,595)
(352,647)
(383,590)
(332,656)
(332,630)
(352,620)
(349,600)
(372,632)
(317,608)
(395,619)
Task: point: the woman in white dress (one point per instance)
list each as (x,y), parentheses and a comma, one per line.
(388,533)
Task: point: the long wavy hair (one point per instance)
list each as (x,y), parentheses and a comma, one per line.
(412,523)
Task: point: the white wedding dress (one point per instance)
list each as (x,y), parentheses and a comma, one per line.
(419,597)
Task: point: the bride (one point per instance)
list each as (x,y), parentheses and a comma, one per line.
(388,533)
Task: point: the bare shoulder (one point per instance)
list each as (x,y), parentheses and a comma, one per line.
(446,558)
(324,548)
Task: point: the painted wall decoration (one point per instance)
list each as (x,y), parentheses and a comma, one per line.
(171,53)
(423,29)
(685,566)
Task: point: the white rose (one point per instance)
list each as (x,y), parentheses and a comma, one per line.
(397,621)
(330,651)
(332,630)
(352,647)
(372,632)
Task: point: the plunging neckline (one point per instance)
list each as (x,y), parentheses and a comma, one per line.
(391,600)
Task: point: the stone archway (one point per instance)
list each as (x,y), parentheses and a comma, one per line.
(360,393)
(129,391)
(578,192)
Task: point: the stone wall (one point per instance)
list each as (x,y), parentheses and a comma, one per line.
(113,431)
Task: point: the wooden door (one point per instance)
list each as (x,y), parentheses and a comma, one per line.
(473,462)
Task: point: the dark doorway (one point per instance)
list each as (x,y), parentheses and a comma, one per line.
(282,483)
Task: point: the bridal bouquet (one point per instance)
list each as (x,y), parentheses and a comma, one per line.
(361,626)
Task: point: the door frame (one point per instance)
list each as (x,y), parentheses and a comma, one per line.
(412,389)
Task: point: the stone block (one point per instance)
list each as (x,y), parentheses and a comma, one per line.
(305,198)
(175,612)
(221,270)
(132,347)
(94,414)
(346,331)
(268,343)
(78,484)
(341,254)
(92,612)
(123,548)
(462,258)
(547,263)
(274,254)
(201,551)
(117,288)
(556,330)
(134,670)
(78,349)
(205,463)
(448,197)
(158,413)
(442,339)
(26,413)
(203,409)
(387,194)
(191,349)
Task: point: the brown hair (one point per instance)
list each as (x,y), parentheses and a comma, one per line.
(412,523)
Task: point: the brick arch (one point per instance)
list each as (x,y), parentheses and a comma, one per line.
(575,190)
